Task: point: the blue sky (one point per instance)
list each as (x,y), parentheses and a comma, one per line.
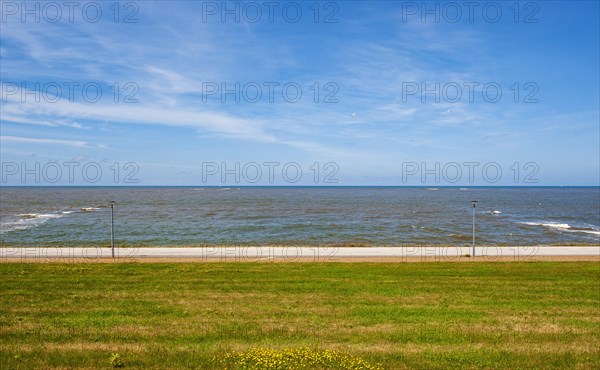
(372,130)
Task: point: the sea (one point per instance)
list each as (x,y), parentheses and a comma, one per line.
(180,216)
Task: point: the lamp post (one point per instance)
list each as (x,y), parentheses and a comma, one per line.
(112,228)
(474,203)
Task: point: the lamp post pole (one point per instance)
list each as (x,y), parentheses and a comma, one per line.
(474,202)
(112,228)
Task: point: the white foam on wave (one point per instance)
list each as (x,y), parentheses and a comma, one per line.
(27,220)
(28,215)
(494,212)
(89,209)
(38,215)
(564,227)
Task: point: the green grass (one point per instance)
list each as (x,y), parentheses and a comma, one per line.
(411,315)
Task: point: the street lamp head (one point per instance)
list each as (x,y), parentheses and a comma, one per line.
(112,203)
(474,202)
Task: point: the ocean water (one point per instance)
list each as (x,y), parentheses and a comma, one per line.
(373,215)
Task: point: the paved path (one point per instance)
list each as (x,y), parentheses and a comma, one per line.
(296,253)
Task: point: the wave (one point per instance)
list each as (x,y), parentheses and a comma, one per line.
(27,220)
(28,215)
(564,227)
(89,209)
(38,215)
(494,212)
(460,236)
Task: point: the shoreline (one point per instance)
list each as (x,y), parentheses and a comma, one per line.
(300,254)
(126,245)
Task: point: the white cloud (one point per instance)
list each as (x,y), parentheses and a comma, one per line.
(17,139)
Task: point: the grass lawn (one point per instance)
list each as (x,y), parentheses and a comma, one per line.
(409,315)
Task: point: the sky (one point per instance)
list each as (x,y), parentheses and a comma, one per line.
(300,93)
